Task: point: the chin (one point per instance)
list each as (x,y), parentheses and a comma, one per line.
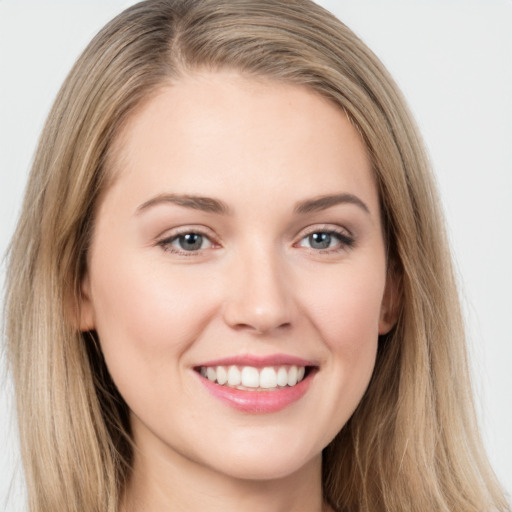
(266,459)
(265,468)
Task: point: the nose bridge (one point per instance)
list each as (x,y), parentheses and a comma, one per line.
(258,297)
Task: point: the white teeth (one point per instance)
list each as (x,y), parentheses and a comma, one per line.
(234,377)
(268,378)
(250,377)
(222,375)
(282,376)
(211,374)
(292,376)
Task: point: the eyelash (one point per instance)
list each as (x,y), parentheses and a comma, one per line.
(345,241)
(166,242)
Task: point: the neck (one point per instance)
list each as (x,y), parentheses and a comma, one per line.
(158,484)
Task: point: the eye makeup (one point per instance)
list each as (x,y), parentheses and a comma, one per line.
(322,239)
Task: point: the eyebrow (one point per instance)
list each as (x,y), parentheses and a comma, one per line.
(211,205)
(323,202)
(205,204)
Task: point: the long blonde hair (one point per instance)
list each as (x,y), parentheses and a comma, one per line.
(413,443)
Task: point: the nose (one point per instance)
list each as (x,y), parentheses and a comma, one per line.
(259,298)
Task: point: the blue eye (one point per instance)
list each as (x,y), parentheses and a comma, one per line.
(190,242)
(186,242)
(325,240)
(320,240)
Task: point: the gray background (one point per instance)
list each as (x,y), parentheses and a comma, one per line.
(453,60)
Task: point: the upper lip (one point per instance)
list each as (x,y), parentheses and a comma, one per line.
(260,361)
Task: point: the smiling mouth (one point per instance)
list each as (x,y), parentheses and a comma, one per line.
(252,378)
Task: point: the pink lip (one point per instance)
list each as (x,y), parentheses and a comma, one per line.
(259,361)
(255,402)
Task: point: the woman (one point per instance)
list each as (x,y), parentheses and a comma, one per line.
(230,284)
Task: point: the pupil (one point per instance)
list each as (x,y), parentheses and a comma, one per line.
(191,242)
(320,240)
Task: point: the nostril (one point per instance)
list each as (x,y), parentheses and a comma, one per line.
(258,297)
(261,328)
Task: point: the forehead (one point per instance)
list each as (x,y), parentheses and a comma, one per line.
(210,130)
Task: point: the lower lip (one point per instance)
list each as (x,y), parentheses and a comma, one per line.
(258,401)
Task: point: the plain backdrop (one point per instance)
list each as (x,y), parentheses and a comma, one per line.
(452,59)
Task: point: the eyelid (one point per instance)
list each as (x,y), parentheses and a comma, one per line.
(169,236)
(187,228)
(325,228)
(345,236)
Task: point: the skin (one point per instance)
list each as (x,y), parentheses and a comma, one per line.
(257,286)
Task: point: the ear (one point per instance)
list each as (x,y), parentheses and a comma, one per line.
(391,301)
(85,307)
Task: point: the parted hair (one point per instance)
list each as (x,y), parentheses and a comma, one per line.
(413,443)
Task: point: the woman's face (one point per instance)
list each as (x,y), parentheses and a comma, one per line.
(237,274)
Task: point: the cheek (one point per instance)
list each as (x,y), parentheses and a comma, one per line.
(345,311)
(145,316)
(346,307)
